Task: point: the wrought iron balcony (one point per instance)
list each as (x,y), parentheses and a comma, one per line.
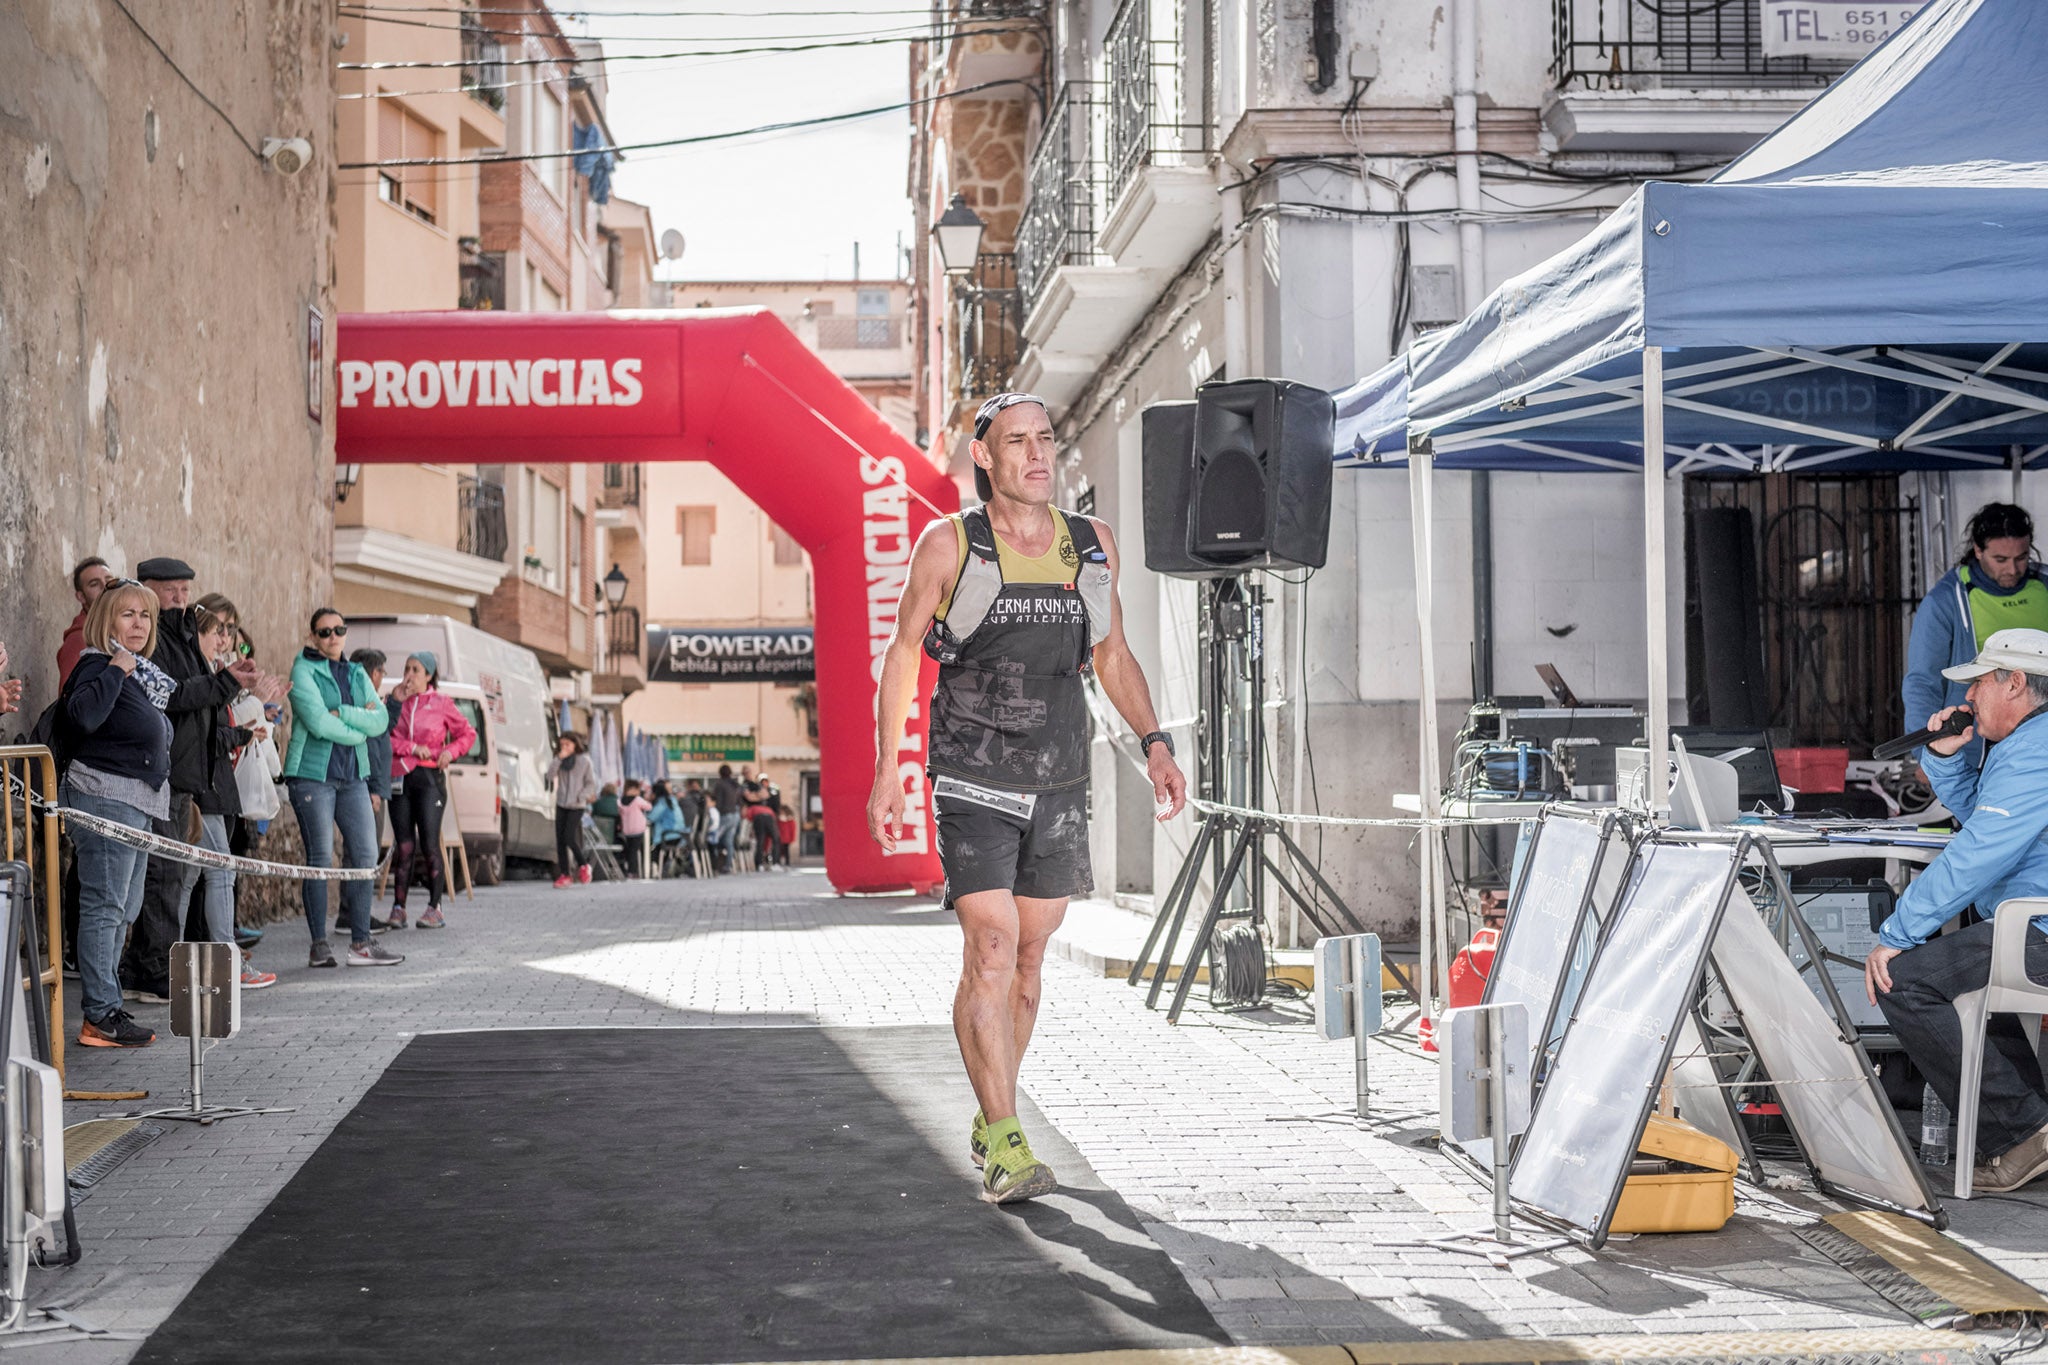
(1146,110)
(480,529)
(483,62)
(988,325)
(1063,196)
(621,485)
(1641,45)
(623,640)
(483,277)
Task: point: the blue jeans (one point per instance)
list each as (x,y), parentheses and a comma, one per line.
(321,806)
(110,879)
(220,881)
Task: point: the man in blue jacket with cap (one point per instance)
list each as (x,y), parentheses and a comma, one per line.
(2001,852)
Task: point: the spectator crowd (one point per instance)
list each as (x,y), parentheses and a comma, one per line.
(164,723)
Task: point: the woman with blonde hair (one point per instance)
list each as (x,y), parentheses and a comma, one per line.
(116,744)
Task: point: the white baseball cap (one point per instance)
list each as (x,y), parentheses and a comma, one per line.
(2024,651)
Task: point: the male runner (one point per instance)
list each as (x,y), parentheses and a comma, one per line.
(1012,599)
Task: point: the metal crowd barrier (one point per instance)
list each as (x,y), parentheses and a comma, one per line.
(31,837)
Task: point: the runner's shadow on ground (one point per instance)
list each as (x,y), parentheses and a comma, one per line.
(1109,1237)
(1323,1306)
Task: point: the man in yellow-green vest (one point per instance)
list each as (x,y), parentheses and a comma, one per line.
(1995,586)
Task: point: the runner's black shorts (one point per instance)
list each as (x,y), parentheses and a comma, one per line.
(1032,844)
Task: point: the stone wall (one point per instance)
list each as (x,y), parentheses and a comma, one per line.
(156,278)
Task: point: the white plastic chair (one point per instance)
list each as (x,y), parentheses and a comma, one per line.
(2010,991)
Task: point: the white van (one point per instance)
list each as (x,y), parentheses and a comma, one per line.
(500,789)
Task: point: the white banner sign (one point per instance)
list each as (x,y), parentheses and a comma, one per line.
(1836,30)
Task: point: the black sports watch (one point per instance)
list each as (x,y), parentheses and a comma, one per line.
(1156,737)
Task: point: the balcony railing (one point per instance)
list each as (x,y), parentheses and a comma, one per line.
(622,485)
(1146,108)
(874,332)
(1063,193)
(483,62)
(990,320)
(1639,45)
(622,636)
(481,512)
(483,277)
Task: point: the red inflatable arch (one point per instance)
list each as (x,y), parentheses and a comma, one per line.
(733,387)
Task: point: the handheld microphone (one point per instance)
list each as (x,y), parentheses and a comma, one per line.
(1906,744)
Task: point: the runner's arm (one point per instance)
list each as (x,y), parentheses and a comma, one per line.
(934,563)
(1123,681)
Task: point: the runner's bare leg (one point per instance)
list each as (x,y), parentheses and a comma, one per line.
(1036,922)
(983,1018)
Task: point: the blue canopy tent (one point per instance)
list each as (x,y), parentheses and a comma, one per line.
(1865,289)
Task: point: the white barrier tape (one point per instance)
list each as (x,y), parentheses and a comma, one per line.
(178,851)
(1116,737)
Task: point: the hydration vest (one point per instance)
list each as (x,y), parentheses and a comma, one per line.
(980,581)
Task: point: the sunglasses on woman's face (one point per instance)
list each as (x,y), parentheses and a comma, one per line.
(331,632)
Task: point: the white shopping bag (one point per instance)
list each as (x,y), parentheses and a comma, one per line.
(257,767)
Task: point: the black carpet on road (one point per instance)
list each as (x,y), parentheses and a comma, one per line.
(714,1194)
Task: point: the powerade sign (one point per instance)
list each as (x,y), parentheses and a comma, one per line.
(762,655)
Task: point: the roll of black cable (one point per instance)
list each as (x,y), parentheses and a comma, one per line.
(1238,979)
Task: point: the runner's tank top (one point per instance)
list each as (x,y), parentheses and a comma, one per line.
(1011,712)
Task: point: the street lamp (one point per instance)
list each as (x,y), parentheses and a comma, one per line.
(345,476)
(958,236)
(615,586)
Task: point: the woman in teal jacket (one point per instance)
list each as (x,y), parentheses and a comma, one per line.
(327,770)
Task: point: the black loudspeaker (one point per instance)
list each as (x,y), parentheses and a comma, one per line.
(1238,479)
(1169,469)
(1730,619)
(1262,473)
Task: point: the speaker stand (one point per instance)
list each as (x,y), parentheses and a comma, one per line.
(1233,845)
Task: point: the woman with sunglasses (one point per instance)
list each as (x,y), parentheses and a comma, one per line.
(327,772)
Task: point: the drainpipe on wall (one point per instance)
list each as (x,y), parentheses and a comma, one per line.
(1472,291)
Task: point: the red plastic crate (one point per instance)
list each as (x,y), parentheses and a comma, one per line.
(1813,770)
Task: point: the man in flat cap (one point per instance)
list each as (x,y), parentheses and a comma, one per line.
(1916,973)
(201,693)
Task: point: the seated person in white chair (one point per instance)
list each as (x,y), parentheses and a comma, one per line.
(2000,853)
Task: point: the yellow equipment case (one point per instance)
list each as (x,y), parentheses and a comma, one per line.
(1682,1181)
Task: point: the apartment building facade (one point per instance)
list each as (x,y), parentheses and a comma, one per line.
(716,562)
(1177,192)
(520,550)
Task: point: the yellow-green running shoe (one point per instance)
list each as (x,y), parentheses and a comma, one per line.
(1013,1173)
(977,1141)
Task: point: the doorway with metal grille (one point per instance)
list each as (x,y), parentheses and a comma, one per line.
(1838,569)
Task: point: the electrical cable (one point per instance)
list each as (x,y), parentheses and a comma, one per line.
(357,12)
(1239,978)
(692,13)
(606,58)
(190,84)
(622,148)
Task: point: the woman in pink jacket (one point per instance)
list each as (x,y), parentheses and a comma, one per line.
(428,732)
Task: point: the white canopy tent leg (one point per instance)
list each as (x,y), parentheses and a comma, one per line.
(1421,475)
(1657,727)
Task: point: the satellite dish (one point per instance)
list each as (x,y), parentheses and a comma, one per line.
(672,245)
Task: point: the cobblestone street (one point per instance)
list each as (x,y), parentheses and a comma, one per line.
(1227,1134)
